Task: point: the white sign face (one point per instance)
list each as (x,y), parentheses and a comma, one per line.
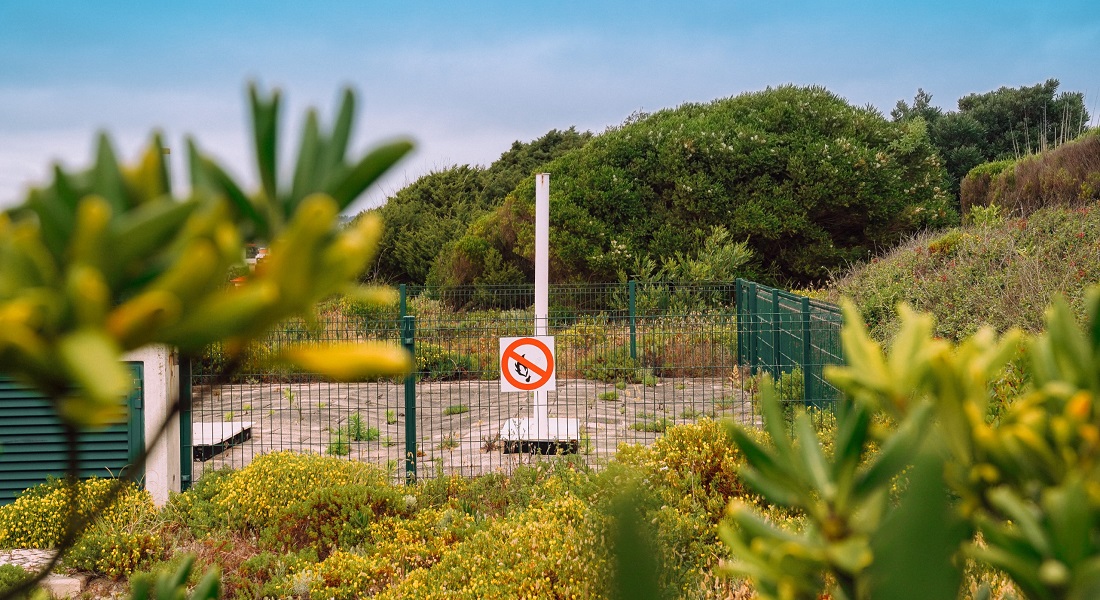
(527,364)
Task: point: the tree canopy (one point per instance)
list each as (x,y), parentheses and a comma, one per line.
(1006,123)
(437,208)
(807,180)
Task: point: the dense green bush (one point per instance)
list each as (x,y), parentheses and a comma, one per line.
(332,517)
(196,510)
(808,180)
(436,209)
(612,366)
(1002,124)
(10,575)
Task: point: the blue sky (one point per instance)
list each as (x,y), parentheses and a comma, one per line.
(465,79)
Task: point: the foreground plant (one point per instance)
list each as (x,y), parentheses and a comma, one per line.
(917,418)
(110,259)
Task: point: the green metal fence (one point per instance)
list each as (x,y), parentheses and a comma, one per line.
(633,359)
(790,337)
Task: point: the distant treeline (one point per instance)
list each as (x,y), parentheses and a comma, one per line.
(786,185)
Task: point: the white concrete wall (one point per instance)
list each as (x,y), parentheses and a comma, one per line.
(162,467)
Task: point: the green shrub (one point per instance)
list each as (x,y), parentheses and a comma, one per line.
(10,576)
(697,459)
(369,316)
(985,216)
(431,212)
(1003,275)
(811,182)
(195,510)
(268,575)
(359,431)
(1008,492)
(1068,175)
(338,444)
(652,426)
(435,363)
(114,553)
(332,517)
(612,367)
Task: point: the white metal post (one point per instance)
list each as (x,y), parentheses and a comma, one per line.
(542,279)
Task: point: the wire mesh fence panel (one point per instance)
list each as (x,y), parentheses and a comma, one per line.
(264,407)
(791,338)
(632,360)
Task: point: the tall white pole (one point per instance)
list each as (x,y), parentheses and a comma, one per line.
(542,251)
(542,275)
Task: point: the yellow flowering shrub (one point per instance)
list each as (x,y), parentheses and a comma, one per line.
(393,548)
(114,553)
(255,495)
(195,509)
(695,462)
(554,549)
(37,518)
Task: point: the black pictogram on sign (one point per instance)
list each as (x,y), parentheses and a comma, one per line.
(526,364)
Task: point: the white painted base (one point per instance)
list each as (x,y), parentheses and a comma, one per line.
(209,434)
(540,429)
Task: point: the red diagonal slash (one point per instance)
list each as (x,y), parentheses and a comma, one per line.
(510,353)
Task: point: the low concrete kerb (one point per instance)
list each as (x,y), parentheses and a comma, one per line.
(60,586)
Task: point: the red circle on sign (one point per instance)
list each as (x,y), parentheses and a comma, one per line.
(510,352)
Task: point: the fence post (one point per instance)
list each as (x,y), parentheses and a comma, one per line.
(187,451)
(401,304)
(807,356)
(632,293)
(753,342)
(738,301)
(408,341)
(777,326)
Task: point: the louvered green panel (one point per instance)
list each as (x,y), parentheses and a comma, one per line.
(32,442)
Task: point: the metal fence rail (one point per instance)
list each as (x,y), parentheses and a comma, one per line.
(633,359)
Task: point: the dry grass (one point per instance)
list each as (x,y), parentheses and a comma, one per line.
(1068,175)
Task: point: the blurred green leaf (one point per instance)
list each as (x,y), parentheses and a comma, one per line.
(916,544)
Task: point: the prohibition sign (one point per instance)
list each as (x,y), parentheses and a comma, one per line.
(527,364)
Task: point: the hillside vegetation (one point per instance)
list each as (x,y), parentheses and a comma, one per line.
(996,271)
(807,180)
(1067,175)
